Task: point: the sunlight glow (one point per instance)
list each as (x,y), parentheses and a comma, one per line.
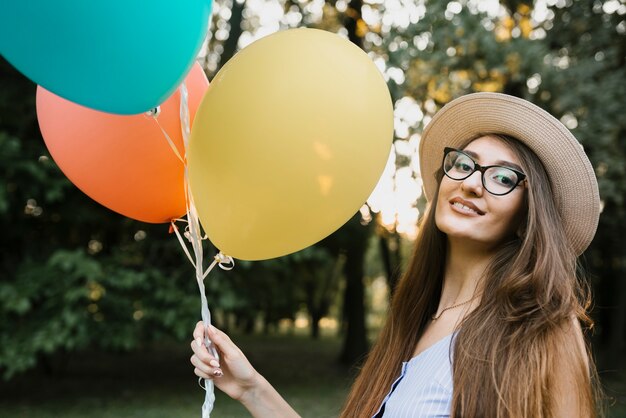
(402,13)
(397,192)
(492,8)
(328,323)
(302,321)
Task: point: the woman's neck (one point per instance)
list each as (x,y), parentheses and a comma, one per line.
(465,266)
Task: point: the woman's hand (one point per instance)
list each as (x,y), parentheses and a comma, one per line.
(232,373)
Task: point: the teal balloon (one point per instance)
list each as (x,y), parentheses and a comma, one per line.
(117,56)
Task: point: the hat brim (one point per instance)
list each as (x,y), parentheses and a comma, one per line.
(572,177)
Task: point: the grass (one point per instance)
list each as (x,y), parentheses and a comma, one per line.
(159,383)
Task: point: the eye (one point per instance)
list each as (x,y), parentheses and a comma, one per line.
(463,164)
(504,177)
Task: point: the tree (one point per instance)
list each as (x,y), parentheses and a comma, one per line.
(352,241)
(568,58)
(585,85)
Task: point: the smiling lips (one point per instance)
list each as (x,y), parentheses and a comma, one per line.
(464,206)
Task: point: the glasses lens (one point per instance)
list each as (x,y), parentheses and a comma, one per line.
(500,180)
(457,165)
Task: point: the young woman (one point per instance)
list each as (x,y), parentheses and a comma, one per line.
(486,321)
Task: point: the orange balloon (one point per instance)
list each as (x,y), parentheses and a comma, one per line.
(123,162)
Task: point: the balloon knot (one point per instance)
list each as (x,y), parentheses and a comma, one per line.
(154,112)
(225,262)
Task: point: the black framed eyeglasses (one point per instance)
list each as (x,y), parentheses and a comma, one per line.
(497,179)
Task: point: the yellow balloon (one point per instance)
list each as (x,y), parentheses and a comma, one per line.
(288,143)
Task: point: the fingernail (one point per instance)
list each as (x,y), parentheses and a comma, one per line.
(214,363)
(199,342)
(218,373)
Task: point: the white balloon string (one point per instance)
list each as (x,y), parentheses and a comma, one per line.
(195,237)
(185,124)
(196,242)
(193,234)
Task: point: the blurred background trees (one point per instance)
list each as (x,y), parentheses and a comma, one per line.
(74,275)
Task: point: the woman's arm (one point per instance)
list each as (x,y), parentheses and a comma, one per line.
(235,376)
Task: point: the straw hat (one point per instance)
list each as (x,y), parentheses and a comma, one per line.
(572,177)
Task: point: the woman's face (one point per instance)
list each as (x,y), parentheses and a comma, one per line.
(465,210)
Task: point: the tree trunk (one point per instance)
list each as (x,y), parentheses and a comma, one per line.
(313,308)
(355,344)
(230,45)
(390,254)
(355,341)
(315,325)
(351,22)
(321,291)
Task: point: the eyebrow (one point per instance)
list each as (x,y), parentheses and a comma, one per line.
(499,162)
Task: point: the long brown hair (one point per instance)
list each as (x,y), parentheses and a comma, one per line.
(507,349)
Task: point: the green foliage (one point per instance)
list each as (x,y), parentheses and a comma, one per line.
(37,294)
(73,301)
(75,276)
(590,88)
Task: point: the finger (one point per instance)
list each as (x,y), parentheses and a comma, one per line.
(216,374)
(207,369)
(200,365)
(203,355)
(198,331)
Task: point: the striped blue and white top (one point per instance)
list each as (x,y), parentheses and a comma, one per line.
(424,387)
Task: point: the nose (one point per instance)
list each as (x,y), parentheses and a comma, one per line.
(473,184)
